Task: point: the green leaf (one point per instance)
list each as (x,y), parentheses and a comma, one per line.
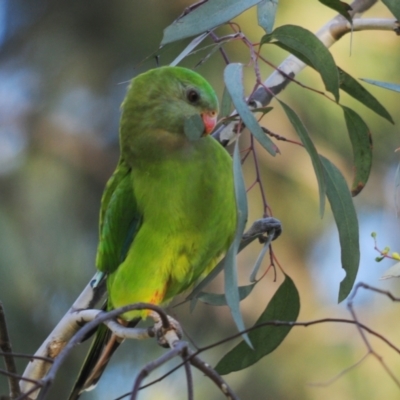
(193,127)
(257,265)
(226,104)
(284,306)
(347,223)
(215,299)
(393,6)
(204,18)
(230,266)
(188,49)
(259,229)
(340,6)
(386,85)
(309,146)
(361,142)
(233,77)
(309,49)
(266,11)
(357,91)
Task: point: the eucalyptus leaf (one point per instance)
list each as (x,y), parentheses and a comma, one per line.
(361,142)
(309,49)
(393,6)
(230,265)
(226,104)
(215,299)
(258,230)
(189,48)
(233,77)
(347,223)
(205,18)
(260,258)
(358,92)
(340,6)
(284,306)
(386,85)
(266,11)
(309,146)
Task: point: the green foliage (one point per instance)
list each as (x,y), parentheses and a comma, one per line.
(361,141)
(386,85)
(304,45)
(284,306)
(215,299)
(394,7)
(230,266)
(233,76)
(308,48)
(350,85)
(266,11)
(204,18)
(340,6)
(347,223)
(312,151)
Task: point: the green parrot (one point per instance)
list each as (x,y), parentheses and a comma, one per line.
(168,212)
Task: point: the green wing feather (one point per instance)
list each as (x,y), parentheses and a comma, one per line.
(119,220)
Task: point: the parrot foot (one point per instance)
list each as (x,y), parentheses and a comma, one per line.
(263,229)
(166,337)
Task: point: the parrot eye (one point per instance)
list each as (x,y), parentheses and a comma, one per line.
(192,96)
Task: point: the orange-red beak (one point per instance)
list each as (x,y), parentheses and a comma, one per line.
(209,120)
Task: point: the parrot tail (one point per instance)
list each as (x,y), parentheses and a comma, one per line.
(103,347)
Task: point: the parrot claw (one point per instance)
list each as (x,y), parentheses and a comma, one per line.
(166,337)
(263,228)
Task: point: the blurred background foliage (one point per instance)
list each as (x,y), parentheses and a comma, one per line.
(64,69)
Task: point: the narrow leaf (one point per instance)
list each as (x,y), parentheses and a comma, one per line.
(266,11)
(215,299)
(347,223)
(204,18)
(233,76)
(189,48)
(260,229)
(309,146)
(284,306)
(393,6)
(386,85)
(357,91)
(340,6)
(260,258)
(361,142)
(230,266)
(226,104)
(392,272)
(306,46)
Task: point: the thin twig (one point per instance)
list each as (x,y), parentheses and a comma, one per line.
(5,346)
(145,371)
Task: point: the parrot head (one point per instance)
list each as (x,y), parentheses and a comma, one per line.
(157,104)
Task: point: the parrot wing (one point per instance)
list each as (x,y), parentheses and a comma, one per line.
(119,223)
(119,220)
